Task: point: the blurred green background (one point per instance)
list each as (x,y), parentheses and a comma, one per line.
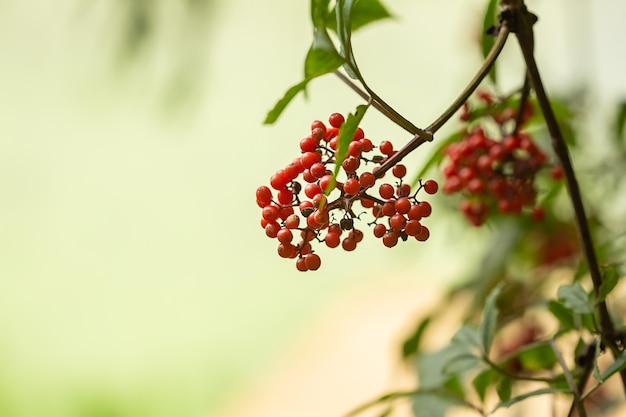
(134,277)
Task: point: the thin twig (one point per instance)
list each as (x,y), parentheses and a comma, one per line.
(580,407)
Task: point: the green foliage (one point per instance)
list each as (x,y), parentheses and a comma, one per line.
(488,324)
(323,57)
(412,345)
(575,298)
(346,134)
(487,40)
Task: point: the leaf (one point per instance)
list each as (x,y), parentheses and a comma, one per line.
(620,123)
(537,356)
(412,344)
(280,106)
(504,389)
(596,369)
(563,314)
(346,134)
(363,13)
(617,366)
(514,400)
(575,298)
(610,278)
(461,363)
(487,40)
(482,381)
(437,156)
(387,412)
(467,336)
(454,386)
(322,57)
(487,326)
(319,13)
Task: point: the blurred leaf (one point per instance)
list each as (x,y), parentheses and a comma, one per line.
(387,412)
(280,106)
(454,386)
(537,356)
(364,12)
(320,13)
(487,326)
(564,315)
(412,344)
(617,366)
(504,389)
(346,135)
(469,337)
(487,38)
(437,156)
(610,278)
(514,400)
(482,381)
(575,298)
(620,123)
(596,369)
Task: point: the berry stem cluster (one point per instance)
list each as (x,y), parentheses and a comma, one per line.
(305,203)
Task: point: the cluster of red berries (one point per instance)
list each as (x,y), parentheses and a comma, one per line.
(495,175)
(321,208)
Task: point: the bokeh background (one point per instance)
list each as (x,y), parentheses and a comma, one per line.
(134,277)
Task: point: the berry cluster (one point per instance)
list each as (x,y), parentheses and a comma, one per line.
(305,204)
(494,175)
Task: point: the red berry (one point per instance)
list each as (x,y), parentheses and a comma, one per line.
(379,230)
(336,120)
(332,239)
(312,261)
(351,186)
(367,179)
(425,208)
(270,213)
(272,229)
(386,148)
(308,144)
(309,158)
(402,205)
(431,187)
(301,264)
(279,180)
(390,239)
(286,250)
(284,236)
(397,222)
(263,196)
(386,191)
(399,171)
(348,244)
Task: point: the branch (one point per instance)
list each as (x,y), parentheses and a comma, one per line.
(523,21)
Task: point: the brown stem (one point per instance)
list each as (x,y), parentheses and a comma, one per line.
(523,22)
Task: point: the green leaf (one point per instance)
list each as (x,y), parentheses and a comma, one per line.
(412,344)
(482,381)
(610,278)
(467,336)
(617,366)
(564,315)
(514,400)
(575,298)
(454,386)
(280,106)
(537,356)
(387,412)
(346,134)
(363,13)
(319,13)
(437,156)
(488,40)
(596,369)
(504,389)
(487,326)
(620,123)
(322,57)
